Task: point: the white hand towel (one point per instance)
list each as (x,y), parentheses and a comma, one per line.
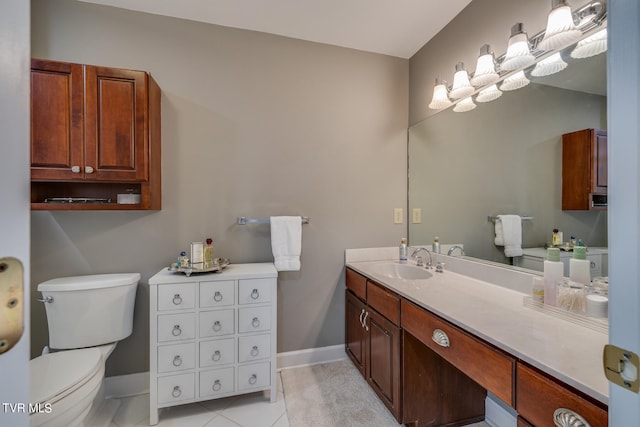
(286,242)
(499,240)
(512,233)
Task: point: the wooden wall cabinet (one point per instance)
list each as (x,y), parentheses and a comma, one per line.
(373,337)
(584,170)
(95,133)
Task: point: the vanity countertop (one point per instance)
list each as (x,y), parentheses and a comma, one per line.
(568,351)
(542,252)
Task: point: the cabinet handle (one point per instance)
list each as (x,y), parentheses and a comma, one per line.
(177,299)
(177,361)
(176,391)
(75,169)
(255,294)
(217,385)
(217,296)
(255,322)
(176,330)
(564,417)
(253,379)
(88,169)
(255,351)
(361,320)
(364,321)
(440,338)
(217,326)
(216,356)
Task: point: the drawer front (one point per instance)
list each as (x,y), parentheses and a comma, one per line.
(176,388)
(176,296)
(538,397)
(254,319)
(357,283)
(217,294)
(217,381)
(383,301)
(254,375)
(176,357)
(254,291)
(254,347)
(489,367)
(216,323)
(217,352)
(175,327)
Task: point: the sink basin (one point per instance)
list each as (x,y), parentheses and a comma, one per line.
(393,270)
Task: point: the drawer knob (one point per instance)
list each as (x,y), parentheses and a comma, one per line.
(253,379)
(255,322)
(217,385)
(75,169)
(216,356)
(255,294)
(255,351)
(88,169)
(177,299)
(217,297)
(176,330)
(217,326)
(176,391)
(564,417)
(440,338)
(177,361)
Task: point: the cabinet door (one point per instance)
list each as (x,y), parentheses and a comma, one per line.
(57,99)
(383,360)
(116,133)
(600,168)
(355,334)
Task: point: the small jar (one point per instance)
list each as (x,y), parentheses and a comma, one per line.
(571,296)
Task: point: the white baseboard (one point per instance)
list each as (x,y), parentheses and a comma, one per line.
(497,414)
(135,384)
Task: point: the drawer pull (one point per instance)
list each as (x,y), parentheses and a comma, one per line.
(176,391)
(217,385)
(364,321)
(217,326)
(88,169)
(75,169)
(253,379)
(216,356)
(255,351)
(255,294)
(255,322)
(217,297)
(440,338)
(177,361)
(177,299)
(176,330)
(361,319)
(564,417)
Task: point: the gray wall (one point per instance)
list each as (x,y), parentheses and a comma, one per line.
(252,125)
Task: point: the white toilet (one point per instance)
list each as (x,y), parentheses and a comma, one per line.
(87,315)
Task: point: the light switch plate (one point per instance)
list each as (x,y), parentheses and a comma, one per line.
(397,216)
(416,215)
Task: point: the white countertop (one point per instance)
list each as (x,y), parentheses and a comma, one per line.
(542,252)
(231,272)
(565,350)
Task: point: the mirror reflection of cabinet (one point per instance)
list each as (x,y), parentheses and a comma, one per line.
(584,170)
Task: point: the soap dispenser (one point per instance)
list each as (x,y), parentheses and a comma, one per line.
(553,272)
(579,266)
(403,251)
(436,245)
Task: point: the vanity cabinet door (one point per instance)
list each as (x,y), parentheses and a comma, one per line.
(355,333)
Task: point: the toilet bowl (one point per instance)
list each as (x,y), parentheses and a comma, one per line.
(86,315)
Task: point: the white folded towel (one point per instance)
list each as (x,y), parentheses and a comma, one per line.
(511,233)
(499,240)
(286,242)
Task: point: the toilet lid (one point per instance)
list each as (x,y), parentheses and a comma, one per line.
(61,372)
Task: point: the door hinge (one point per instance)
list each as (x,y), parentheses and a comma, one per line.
(621,367)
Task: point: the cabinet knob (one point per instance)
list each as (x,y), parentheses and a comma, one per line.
(88,169)
(440,338)
(217,296)
(255,294)
(255,351)
(217,326)
(176,330)
(177,361)
(255,322)
(177,299)
(75,169)
(253,379)
(176,391)
(216,356)
(564,417)
(217,385)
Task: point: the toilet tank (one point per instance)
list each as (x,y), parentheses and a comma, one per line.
(86,311)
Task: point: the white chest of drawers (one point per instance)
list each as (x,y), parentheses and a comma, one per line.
(211,335)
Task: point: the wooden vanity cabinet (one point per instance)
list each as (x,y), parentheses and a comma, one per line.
(373,337)
(95,133)
(584,170)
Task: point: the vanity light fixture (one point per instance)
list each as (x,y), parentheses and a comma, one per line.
(489,94)
(518,51)
(561,30)
(440,98)
(461,85)
(485,68)
(551,65)
(593,45)
(515,81)
(464,105)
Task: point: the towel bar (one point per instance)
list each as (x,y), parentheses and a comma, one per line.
(244,220)
(495,218)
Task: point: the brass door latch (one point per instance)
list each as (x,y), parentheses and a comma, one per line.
(11,303)
(621,367)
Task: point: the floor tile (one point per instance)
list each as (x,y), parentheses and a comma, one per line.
(255,410)
(132,411)
(190,415)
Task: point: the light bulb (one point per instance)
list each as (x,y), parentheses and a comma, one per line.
(561,30)
(461,85)
(518,52)
(440,98)
(485,68)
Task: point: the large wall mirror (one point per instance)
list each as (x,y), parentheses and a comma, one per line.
(505,157)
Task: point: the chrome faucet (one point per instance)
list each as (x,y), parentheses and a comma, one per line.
(419,260)
(453,248)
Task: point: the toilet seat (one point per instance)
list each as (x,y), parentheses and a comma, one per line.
(54,376)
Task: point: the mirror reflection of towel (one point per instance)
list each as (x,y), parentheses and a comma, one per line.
(511,233)
(286,242)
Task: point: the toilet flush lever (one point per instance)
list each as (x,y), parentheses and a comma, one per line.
(48,299)
(11,302)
